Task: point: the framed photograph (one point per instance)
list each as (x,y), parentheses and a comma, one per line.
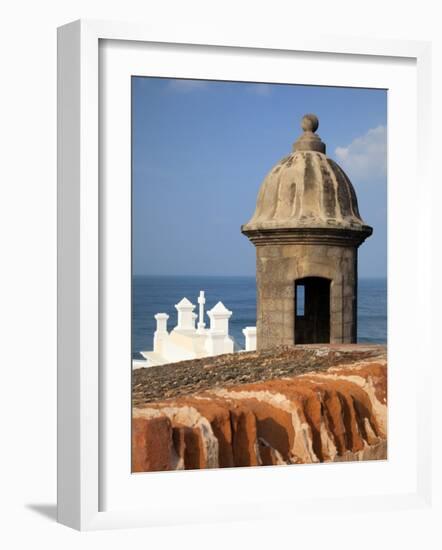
(241,258)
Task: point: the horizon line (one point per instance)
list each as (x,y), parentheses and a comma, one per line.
(231,275)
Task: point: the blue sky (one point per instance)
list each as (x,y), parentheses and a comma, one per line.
(201,150)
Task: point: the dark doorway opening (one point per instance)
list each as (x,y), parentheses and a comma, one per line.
(312,310)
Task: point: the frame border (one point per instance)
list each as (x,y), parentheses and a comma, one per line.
(78,255)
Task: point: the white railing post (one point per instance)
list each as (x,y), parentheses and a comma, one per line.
(218,340)
(161,331)
(250,338)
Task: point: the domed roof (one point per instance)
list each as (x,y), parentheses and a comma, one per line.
(307,190)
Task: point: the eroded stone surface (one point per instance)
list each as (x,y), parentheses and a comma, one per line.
(334,412)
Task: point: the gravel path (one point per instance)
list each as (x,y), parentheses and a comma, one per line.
(187,377)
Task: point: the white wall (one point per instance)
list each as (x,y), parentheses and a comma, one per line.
(28,278)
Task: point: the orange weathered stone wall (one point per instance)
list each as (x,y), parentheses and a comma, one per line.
(338,414)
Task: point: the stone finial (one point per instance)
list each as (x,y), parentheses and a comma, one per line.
(310,123)
(186,320)
(161,319)
(161,334)
(219,317)
(309,141)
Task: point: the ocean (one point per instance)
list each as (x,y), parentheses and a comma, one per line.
(159,294)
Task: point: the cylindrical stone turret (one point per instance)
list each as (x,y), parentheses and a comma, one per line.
(306,229)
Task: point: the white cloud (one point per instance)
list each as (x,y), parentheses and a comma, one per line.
(365,158)
(187,85)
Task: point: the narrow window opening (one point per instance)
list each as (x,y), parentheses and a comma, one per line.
(312,310)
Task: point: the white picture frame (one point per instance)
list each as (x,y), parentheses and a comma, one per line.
(82,397)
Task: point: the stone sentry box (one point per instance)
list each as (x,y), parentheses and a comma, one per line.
(306,229)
